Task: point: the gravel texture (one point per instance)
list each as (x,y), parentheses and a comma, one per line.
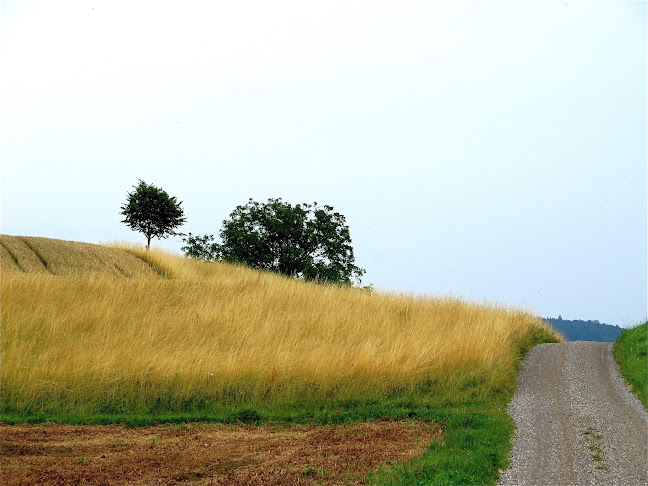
(577,423)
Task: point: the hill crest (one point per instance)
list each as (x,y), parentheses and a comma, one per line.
(35,255)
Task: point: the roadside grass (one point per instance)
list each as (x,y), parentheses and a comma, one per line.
(158,338)
(631,352)
(475,447)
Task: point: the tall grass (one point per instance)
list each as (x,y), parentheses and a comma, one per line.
(195,335)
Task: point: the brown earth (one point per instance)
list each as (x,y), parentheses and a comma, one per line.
(206,454)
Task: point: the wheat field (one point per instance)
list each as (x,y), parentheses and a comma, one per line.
(115,329)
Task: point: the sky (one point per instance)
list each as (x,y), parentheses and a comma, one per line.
(493,151)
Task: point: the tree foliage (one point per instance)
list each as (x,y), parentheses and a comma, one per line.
(201,247)
(305,241)
(151,211)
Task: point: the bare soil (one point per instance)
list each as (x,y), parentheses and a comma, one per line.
(206,454)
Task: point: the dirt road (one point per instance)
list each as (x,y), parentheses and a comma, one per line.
(576,422)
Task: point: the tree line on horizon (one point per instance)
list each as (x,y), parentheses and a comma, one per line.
(579,330)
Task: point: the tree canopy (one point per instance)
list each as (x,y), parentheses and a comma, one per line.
(151,211)
(306,241)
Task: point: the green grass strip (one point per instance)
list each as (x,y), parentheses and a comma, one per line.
(474,448)
(631,352)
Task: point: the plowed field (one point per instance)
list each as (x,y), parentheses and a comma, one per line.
(211,454)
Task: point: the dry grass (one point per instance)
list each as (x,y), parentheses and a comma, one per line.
(180,331)
(45,256)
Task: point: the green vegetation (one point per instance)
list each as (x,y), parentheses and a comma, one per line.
(631,352)
(151,211)
(474,449)
(306,241)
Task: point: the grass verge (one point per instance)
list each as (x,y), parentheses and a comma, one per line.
(631,352)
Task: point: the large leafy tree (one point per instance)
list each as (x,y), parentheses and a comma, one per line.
(305,241)
(151,211)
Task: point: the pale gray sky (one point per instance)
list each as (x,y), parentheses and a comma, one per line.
(490,150)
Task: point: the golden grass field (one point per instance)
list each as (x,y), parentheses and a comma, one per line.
(108,329)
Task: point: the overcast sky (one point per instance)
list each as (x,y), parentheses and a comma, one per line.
(490,150)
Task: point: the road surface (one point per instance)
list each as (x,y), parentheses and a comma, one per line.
(576,422)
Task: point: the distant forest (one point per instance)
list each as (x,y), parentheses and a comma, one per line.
(585,330)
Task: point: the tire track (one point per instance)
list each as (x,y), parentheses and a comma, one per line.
(13,257)
(38,255)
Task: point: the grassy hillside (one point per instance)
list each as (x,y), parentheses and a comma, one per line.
(92,333)
(631,352)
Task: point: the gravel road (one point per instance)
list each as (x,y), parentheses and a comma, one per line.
(577,424)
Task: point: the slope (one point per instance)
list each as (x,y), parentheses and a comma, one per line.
(31,255)
(169,339)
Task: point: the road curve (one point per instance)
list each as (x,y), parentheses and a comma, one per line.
(576,422)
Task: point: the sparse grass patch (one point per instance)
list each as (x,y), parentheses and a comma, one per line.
(631,352)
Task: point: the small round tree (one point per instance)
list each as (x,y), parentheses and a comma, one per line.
(150,210)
